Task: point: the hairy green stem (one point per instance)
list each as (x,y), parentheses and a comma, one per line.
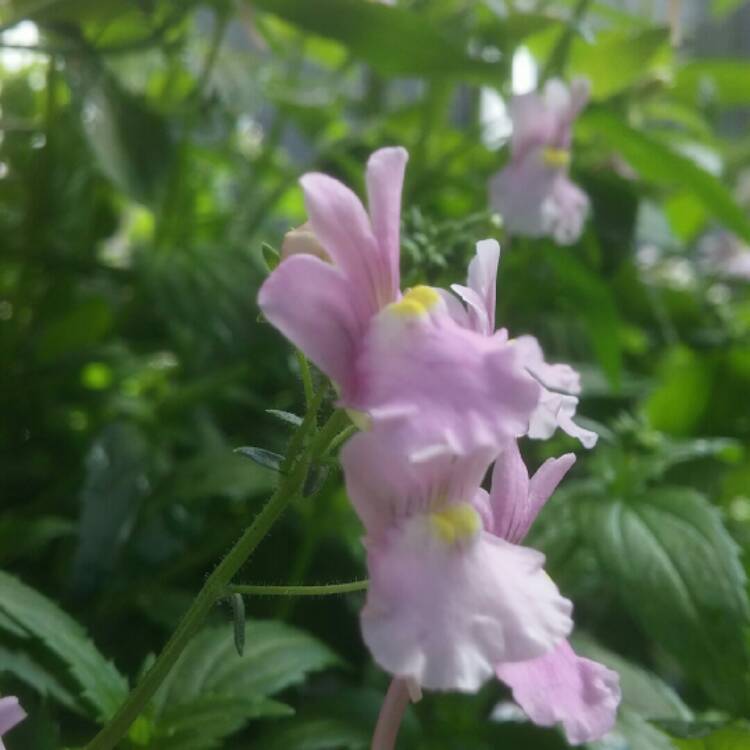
(304,370)
(323,590)
(215,586)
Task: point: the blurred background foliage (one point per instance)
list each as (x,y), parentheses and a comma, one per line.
(147,150)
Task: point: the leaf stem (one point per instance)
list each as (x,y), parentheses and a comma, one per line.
(328,589)
(216,585)
(304,369)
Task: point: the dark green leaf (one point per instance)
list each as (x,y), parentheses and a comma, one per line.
(318,734)
(271,256)
(678,572)
(393,40)
(261,456)
(103,687)
(735,737)
(659,164)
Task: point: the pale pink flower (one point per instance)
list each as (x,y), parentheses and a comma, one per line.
(560,383)
(448,599)
(11,714)
(533,192)
(400,359)
(558,686)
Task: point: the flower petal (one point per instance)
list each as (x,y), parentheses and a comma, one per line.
(342,226)
(562,687)
(480,293)
(509,495)
(309,301)
(464,389)
(385,179)
(446,615)
(564,211)
(11,714)
(385,487)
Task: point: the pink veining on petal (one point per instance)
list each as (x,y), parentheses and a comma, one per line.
(562,687)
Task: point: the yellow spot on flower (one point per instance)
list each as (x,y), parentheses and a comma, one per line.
(417,301)
(556,157)
(456,523)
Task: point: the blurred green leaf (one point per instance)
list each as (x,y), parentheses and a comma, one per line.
(661,165)
(103,687)
(285,416)
(721,8)
(643,693)
(591,298)
(634,53)
(729,738)
(116,480)
(682,394)
(393,40)
(318,734)
(678,572)
(726,82)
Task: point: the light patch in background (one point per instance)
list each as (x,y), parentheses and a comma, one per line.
(493,119)
(524,71)
(24,34)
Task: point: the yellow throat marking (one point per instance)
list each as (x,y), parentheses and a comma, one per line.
(457,523)
(556,157)
(417,301)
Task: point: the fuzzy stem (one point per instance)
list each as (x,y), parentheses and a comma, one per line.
(324,590)
(391,714)
(216,585)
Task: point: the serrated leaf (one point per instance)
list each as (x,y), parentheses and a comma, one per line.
(262,457)
(393,40)
(103,687)
(657,163)
(285,416)
(201,723)
(678,572)
(37,677)
(211,692)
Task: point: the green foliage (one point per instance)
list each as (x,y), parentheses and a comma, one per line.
(148,168)
(99,683)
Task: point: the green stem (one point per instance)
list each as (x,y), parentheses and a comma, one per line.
(304,369)
(215,587)
(324,590)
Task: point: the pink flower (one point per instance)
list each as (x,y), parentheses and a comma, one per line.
(533,192)
(448,599)
(400,359)
(560,383)
(557,686)
(11,714)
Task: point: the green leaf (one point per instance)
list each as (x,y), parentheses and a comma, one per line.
(592,299)
(633,732)
(285,416)
(212,692)
(643,692)
(721,8)
(393,40)
(736,737)
(38,677)
(726,82)
(115,483)
(271,256)
(318,734)
(261,456)
(634,53)
(657,163)
(130,140)
(678,572)
(103,687)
